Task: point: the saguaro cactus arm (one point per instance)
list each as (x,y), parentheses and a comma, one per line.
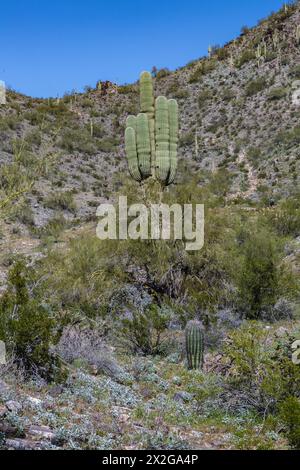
(162,138)
(153,144)
(174,129)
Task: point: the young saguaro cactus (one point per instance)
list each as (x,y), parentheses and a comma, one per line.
(194,340)
(151,138)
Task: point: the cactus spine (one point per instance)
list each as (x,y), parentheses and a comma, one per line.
(194,339)
(151,138)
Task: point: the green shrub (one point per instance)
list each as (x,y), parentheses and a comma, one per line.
(205,67)
(295,71)
(63,200)
(289,137)
(108,144)
(290,416)
(26,324)
(261,367)
(78,139)
(187,139)
(204,96)
(286,218)
(162,73)
(144,332)
(259,278)
(277,94)
(256,86)
(244,58)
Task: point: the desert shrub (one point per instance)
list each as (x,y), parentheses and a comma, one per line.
(77,139)
(27,325)
(228,94)
(54,227)
(34,137)
(143,333)
(162,73)
(277,94)
(108,144)
(290,137)
(290,417)
(9,122)
(282,310)
(63,200)
(286,218)
(259,277)
(204,96)
(127,89)
(255,156)
(221,53)
(181,94)
(261,370)
(24,214)
(245,57)
(295,71)
(187,139)
(255,86)
(205,67)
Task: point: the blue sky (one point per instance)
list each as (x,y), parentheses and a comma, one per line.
(50,47)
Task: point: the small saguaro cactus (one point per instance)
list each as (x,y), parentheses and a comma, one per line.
(194,341)
(151,138)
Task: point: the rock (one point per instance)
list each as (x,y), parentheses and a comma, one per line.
(42,432)
(22,444)
(94,369)
(8,430)
(3,388)
(56,390)
(35,401)
(183,397)
(3,411)
(13,406)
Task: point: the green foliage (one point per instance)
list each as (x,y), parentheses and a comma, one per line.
(285,218)
(290,416)
(144,332)
(205,67)
(261,367)
(256,86)
(259,277)
(63,200)
(78,140)
(204,96)
(277,94)
(26,324)
(244,58)
(194,340)
(162,73)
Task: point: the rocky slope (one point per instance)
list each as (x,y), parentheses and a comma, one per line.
(237,112)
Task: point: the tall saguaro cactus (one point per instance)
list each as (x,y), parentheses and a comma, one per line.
(194,340)
(151,138)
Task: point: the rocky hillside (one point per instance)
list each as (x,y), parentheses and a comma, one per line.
(239,111)
(94,330)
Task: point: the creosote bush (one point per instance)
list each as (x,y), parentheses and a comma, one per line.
(27,325)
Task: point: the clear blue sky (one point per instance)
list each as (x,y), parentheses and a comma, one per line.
(52,46)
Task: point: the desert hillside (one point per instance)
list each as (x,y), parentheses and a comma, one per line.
(94,330)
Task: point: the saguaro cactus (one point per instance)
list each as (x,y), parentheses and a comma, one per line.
(298,35)
(151,138)
(194,340)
